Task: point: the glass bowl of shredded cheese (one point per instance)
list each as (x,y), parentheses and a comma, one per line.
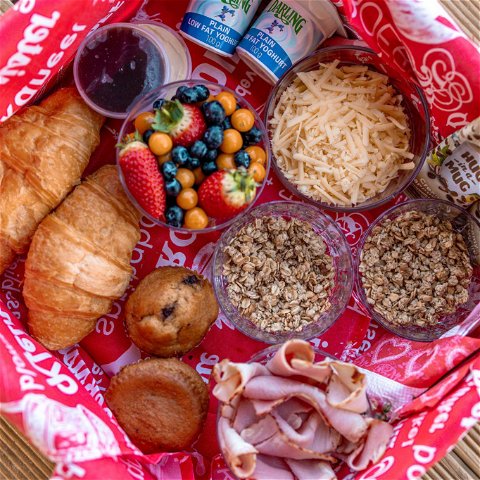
(346,132)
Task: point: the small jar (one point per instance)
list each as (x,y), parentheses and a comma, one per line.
(218,25)
(118,64)
(285,32)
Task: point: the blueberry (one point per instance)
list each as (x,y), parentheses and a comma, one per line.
(158,103)
(242,159)
(198,149)
(213,112)
(252,137)
(202,92)
(173,187)
(147,135)
(193,163)
(213,137)
(187,95)
(227,123)
(180,90)
(169,170)
(209,167)
(174,216)
(180,156)
(211,155)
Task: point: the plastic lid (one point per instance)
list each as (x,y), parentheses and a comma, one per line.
(117,65)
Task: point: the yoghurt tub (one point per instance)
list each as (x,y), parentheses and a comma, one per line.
(218,25)
(285,32)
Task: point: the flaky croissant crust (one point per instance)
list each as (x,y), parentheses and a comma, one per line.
(79,260)
(43,153)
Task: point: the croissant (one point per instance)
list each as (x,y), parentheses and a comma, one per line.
(79,260)
(43,152)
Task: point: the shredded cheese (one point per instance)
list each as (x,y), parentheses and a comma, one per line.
(340,134)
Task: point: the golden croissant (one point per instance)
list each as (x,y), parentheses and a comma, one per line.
(43,153)
(79,260)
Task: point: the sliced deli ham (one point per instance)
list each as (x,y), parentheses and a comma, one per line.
(279,445)
(240,455)
(244,415)
(271,468)
(374,447)
(293,418)
(232,377)
(347,389)
(297,357)
(349,424)
(311,469)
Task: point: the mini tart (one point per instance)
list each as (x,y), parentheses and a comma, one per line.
(160,403)
(170,311)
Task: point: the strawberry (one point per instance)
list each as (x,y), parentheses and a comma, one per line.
(184,123)
(225,193)
(144,181)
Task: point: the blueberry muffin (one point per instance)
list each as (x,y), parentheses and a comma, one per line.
(170,311)
(161,403)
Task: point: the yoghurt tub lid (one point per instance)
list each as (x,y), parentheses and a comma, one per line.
(328,18)
(175,48)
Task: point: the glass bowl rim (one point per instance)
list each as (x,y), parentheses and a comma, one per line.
(348,286)
(266,146)
(361,207)
(358,280)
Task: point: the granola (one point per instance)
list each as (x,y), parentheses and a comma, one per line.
(279,273)
(415,269)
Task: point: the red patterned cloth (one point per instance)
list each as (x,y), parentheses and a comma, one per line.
(57,400)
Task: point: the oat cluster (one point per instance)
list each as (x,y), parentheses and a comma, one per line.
(415,269)
(279,273)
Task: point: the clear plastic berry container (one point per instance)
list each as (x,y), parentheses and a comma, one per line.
(414,103)
(469,228)
(337,248)
(167,92)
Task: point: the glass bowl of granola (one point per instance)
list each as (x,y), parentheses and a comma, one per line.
(418,269)
(284,270)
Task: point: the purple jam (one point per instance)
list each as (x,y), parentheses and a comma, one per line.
(118,67)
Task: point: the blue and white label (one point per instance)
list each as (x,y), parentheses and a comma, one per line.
(282,34)
(219,24)
(267,50)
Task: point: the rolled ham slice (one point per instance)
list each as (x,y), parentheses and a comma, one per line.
(245,415)
(372,450)
(311,469)
(294,412)
(228,410)
(240,456)
(347,388)
(279,445)
(260,431)
(297,357)
(271,468)
(232,377)
(262,407)
(349,424)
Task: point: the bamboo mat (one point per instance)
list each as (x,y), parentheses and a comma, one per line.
(20,461)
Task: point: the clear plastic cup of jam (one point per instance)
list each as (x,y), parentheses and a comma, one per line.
(118,64)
